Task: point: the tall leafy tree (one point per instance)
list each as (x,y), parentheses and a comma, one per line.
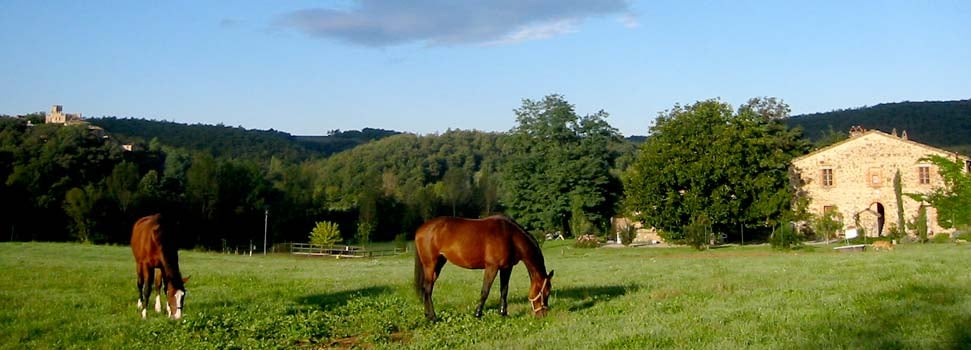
(123,184)
(704,160)
(456,187)
(558,166)
(81,204)
(953,200)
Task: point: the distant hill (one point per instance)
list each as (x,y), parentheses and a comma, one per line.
(236,142)
(943,124)
(337,141)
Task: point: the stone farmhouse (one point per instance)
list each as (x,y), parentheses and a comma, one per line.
(856,178)
(57,116)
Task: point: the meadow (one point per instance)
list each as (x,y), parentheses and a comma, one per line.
(59,295)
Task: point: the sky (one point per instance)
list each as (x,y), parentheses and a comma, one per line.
(427,66)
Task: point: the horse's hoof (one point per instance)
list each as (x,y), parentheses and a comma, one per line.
(478,314)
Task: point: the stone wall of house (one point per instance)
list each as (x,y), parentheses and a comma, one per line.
(863,169)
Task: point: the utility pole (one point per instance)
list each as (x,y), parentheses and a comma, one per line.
(266,222)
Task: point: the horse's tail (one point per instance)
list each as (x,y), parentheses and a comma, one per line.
(419,275)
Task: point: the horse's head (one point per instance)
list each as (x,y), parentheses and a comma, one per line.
(176,300)
(541,295)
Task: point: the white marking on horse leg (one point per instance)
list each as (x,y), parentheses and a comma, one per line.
(158,303)
(139,303)
(179,295)
(144,313)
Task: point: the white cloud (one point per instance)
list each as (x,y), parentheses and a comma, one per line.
(538,32)
(447,22)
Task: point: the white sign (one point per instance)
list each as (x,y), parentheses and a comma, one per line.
(850,234)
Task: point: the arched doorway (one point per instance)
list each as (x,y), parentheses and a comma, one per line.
(881,218)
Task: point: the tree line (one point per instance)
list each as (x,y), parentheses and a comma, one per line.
(704,165)
(942,124)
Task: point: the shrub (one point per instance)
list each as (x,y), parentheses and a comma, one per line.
(827,224)
(698,232)
(401,240)
(540,237)
(587,241)
(785,238)
(919,225)
(941,238)
(895,232)
(364,230)
(325,233)
(627,234)
(580,225)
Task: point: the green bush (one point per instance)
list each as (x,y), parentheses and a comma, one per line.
(785,238)
(919,225)
(827,224)
(540,237)
(401,240)
(363,235)
(895,232)
(627,234)
(325,233)
(698,233)
(941,238)
(580,225)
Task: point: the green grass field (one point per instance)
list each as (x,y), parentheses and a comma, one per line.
(83,296)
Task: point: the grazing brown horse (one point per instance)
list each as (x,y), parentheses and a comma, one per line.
(495,244)
(155,249)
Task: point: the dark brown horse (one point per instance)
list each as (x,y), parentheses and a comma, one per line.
(155,249)
(495,244)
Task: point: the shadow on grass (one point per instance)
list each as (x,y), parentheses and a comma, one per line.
(334,300)
(587,297)
(887,325)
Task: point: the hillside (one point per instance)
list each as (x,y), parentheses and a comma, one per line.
(943,124)
(225,141)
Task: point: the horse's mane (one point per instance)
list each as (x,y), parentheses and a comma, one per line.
(540,262)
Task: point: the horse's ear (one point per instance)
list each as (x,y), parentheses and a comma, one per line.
(550,276)
(185,279)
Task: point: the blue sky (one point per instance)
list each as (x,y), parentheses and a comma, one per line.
(425,66)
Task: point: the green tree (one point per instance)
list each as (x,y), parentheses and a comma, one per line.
(80,205)
(457,187)
(898,192)
(705,159)
(325,233)
(919,225)
(123,184)
(558,166)
(827,224)
(202,185)
(953,200)
(487,188)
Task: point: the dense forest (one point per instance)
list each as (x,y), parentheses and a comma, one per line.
(78,182)
(236,143)
(943,124)
(555,171)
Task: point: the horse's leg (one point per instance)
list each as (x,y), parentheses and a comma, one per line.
(487,279)
(146,287)
(504,289)
(140,272)
(159,281)
(431,274)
